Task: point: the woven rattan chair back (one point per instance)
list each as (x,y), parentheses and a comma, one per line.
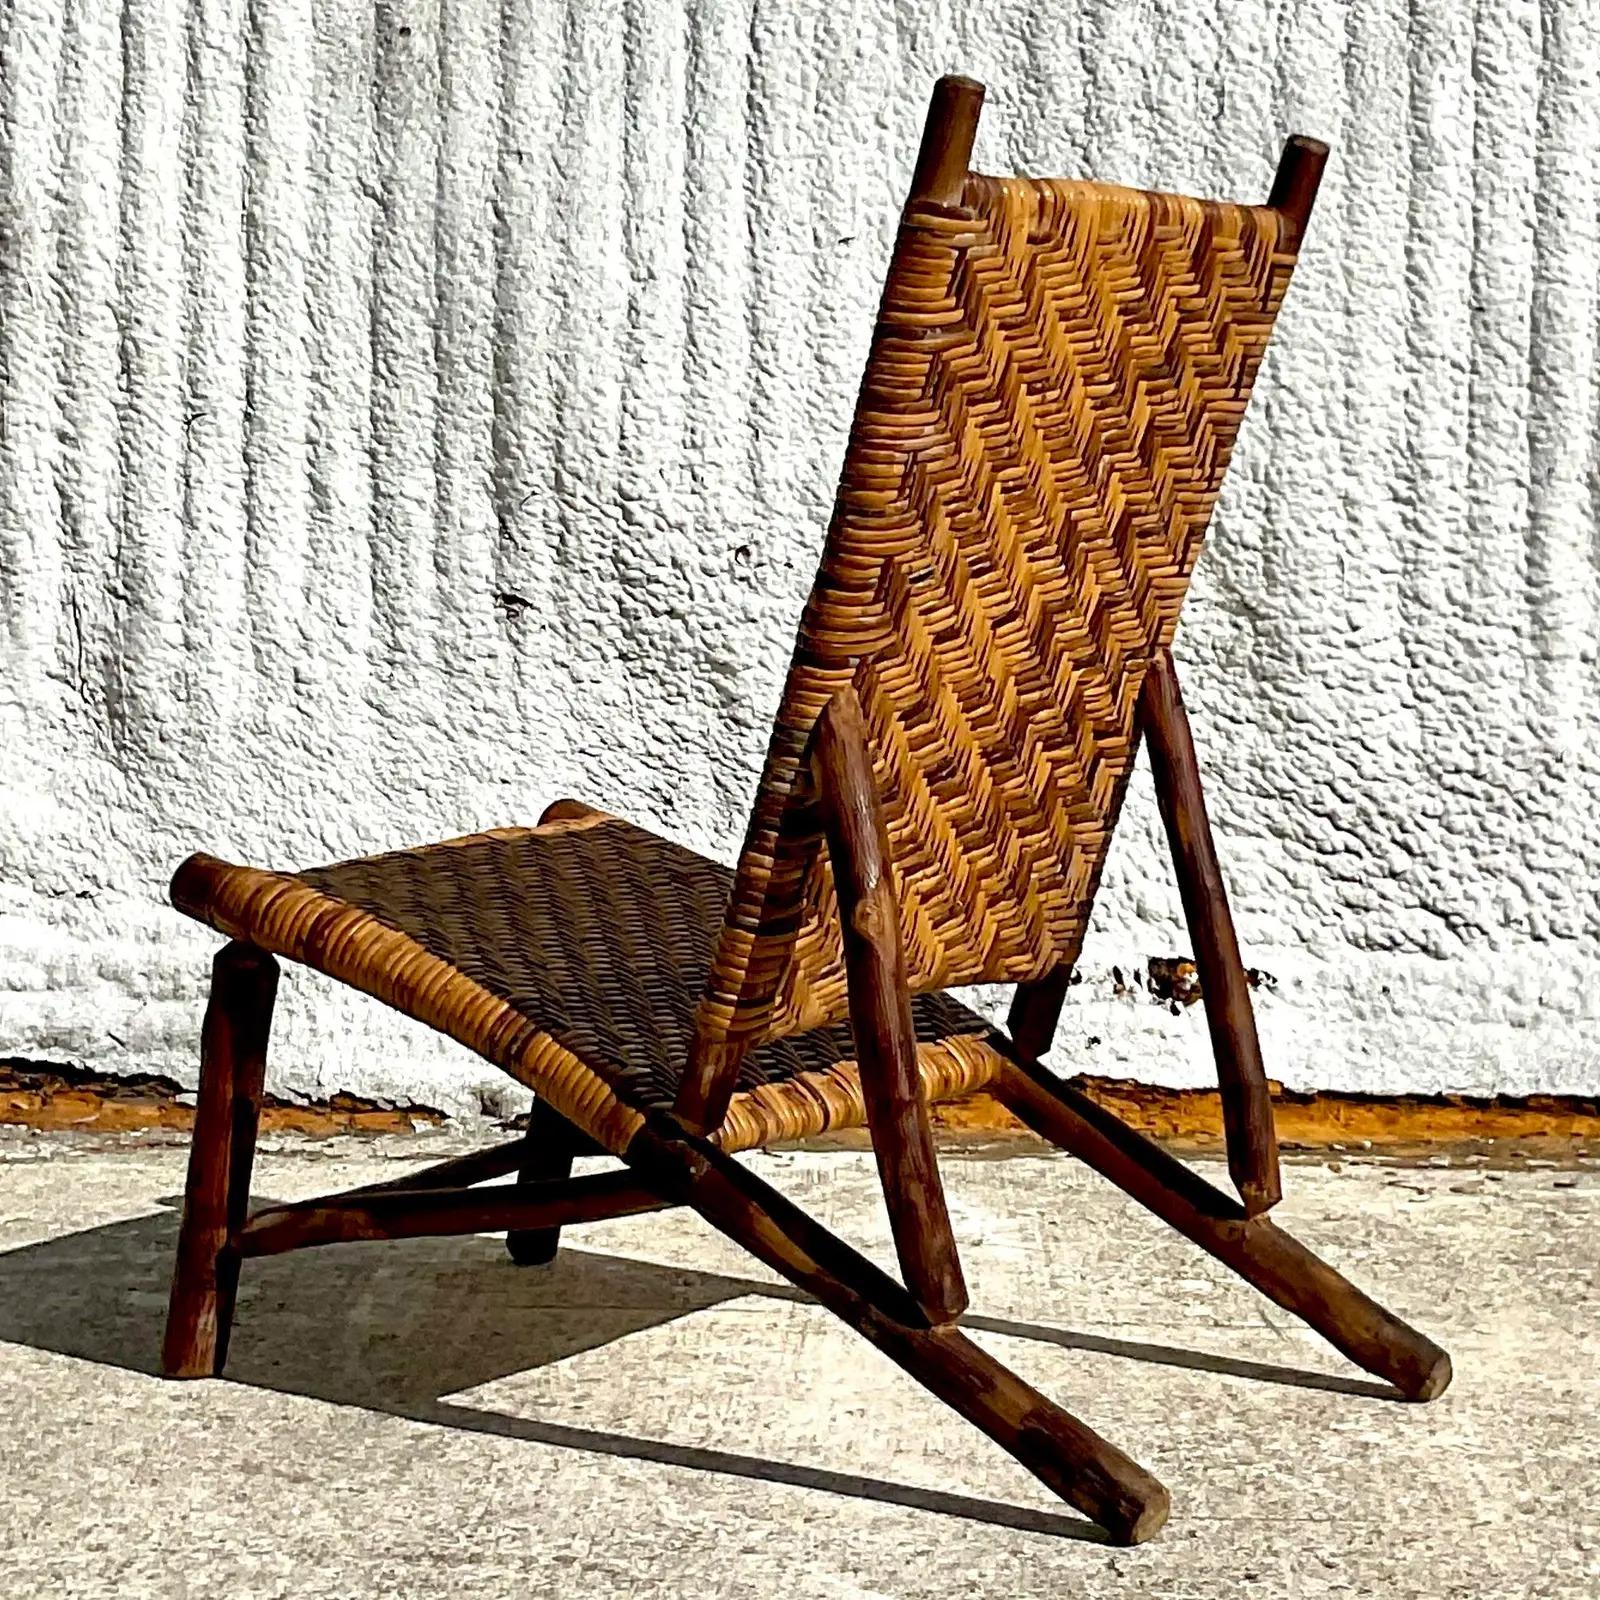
(1054,386)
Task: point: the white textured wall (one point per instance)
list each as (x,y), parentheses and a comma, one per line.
(412,414)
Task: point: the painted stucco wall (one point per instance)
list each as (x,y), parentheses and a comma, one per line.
(415,413)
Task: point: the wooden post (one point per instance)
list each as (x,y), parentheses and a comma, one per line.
(947,138)
(1035,1011)
(1294,186)
(233,1060)
(568,811)
(551,1141)
(939,178)
(548,1158)
(1263,1255)
(1073,1460)
(880,1009)
(1246,1100)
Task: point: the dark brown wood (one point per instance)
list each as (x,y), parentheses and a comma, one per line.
(880,1009)
(233,1061)
(1035,1011)
(568,811)
(1074,1461)
(707,1086)
(1224,986)
(1294,186)
(477,1166)
(549,1148)
(426,1213)
(947,136)
(1261,1253)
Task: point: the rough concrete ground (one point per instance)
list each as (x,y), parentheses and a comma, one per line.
(655,1416)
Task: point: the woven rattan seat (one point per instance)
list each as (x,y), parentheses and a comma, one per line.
(599,935)
(1053,389)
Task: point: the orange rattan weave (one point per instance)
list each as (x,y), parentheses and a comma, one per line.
(1056,380)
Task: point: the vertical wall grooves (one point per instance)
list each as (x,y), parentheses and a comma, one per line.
(386,436)
(260,602)
(129,383)
(412,412)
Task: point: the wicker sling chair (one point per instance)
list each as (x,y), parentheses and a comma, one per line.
(1056,379)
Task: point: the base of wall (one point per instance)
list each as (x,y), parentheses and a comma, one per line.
(1561,1128)
(1537,1127)
(63,1099)
(112,987)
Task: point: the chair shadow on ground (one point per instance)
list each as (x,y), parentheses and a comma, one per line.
(348,1325)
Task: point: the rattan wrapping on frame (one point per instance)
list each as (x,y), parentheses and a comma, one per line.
(572,955)
(1054,387)
(1055,384)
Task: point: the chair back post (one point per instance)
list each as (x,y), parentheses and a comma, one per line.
(945,154)
(1294,185)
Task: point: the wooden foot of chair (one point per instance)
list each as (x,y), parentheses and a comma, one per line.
(1261,1253)
(1087,1472)
(552,1145)
(233,1059)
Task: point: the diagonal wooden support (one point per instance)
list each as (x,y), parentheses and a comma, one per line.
(427,1213)
(476,1166)
(706,1090)
(1224,987)
(880,1010)
(1262,1254)
(1071,1459)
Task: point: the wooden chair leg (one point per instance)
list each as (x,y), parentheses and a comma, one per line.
(1035,1012)
(552,1146)
(880,1011)
(1087,1472)
(233,1060)
(1225,989)
(1262,1254)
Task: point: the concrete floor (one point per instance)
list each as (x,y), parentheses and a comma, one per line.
(653,1417)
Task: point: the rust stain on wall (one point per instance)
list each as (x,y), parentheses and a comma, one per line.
(66,1099)
(1545,1125)
(57,1099)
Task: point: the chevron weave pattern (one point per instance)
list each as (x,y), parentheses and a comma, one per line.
(1056,381)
